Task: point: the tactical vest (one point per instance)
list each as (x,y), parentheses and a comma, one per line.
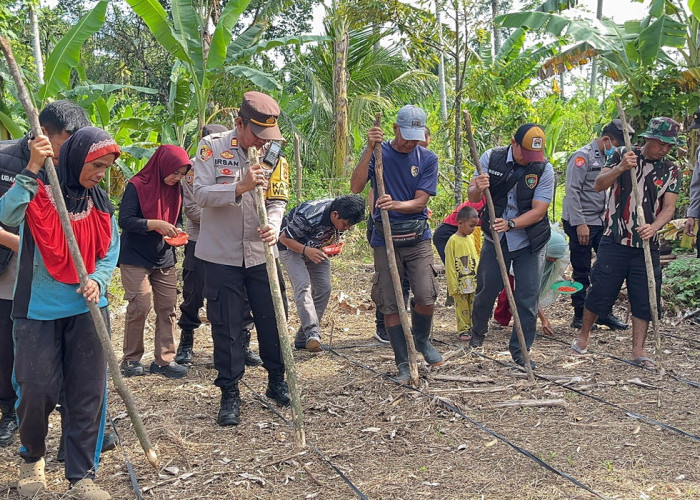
(501,176)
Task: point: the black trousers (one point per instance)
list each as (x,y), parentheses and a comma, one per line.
(440,237)
(54,354)
(581,256)
(193,278)
(7,353)
(225,290)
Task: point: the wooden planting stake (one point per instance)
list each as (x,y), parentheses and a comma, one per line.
(651,282)
(280,316)
(393,266)
(499,252)
(100,326)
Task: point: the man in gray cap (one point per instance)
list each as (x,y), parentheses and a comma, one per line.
(620,255)
(231,244)
(583,210)
(410,179)
(694,205)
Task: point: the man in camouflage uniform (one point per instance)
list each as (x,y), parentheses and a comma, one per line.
(583,210)
(621,255)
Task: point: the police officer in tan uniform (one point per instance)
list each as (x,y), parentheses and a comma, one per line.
(231,244)
(583,212)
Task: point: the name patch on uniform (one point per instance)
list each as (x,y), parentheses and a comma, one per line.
(205,153)
(228,163)
(531,181)
(227,154)
(234,142)
(580,161)
(414,171)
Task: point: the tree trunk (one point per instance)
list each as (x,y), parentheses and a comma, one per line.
(340,99)
(441,69)
(457,186)
(495,8)
(594,65)
(36,46)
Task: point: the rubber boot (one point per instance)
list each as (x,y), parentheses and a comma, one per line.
(398,344)
(277,388)
(422,324)
(184,350)
(251,359)
(8,424)
(230,408)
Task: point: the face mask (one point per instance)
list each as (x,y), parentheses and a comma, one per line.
(609,152)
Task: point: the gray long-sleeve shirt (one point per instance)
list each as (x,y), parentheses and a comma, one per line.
(192,210)
(582,205)
(228,223)
(694,205)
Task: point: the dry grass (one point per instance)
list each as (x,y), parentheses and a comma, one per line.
(396,444)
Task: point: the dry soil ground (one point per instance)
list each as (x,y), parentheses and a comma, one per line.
(393,442)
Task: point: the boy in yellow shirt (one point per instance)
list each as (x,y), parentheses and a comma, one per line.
(461,261)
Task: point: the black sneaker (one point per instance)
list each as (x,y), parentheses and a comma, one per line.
(577,322)
(230,408)
(520,362)
(277,388)
(173,370)
(612,322)
(477,340)
(381,334)
(8,425)
(132,369)
(109,440)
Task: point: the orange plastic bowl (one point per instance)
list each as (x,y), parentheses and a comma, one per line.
(179,240)
(332,250)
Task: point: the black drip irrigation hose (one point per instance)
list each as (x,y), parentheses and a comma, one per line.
(687,339)
(630,413)
(323,457)
(478,425)
(129,467)
(691,383)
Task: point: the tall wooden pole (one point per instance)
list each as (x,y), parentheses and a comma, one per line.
(280,316)
(648,264)
(100,326)
(499,252)
(393,266)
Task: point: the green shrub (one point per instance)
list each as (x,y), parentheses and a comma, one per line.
(681,287)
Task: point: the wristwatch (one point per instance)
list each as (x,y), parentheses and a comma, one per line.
(511,224)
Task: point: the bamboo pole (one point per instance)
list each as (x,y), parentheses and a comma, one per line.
(648,264)
(100,326)
(499,252)
(297,164)
(280,316)
(393,266)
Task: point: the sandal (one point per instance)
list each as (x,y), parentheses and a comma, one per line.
(86,489)
(644,362)
(577,350)
(31,478)
(465,336)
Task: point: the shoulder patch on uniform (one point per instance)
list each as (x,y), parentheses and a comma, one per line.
(414,171)
(580,161)
(531,180)
(189,176)
(234,142)
(227,154)
(205,152)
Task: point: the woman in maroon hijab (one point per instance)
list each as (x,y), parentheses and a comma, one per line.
(150,212)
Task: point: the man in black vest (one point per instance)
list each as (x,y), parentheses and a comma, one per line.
(521,182)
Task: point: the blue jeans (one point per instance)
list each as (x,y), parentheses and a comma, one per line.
(527,269)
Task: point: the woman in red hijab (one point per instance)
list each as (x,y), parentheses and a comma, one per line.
(150,212)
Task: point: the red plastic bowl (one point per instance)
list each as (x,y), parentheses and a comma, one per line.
(179,240)
(332,250)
